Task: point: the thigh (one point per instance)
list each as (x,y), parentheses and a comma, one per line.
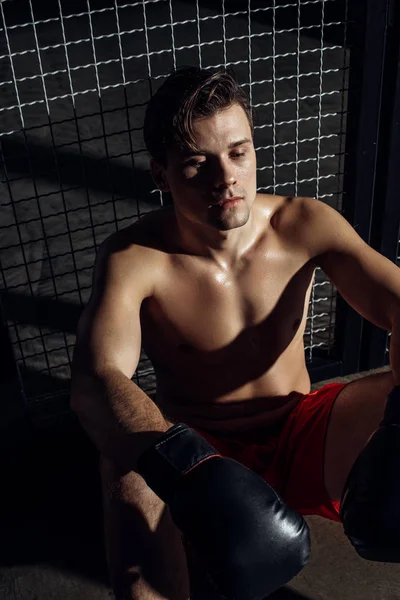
(356,413)
(145,553)
(297,469)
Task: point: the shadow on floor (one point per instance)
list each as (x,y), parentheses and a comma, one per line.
(50,505)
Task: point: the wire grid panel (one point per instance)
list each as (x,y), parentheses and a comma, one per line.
(75,79)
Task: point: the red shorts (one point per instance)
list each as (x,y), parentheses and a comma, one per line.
(293,461)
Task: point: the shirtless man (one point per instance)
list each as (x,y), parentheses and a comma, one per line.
(217,290)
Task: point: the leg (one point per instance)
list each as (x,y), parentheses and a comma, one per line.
(145,553)
(356,414)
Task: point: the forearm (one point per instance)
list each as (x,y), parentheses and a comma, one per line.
(395,347)
(121,420)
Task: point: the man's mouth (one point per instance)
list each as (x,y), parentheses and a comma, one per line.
(229,201)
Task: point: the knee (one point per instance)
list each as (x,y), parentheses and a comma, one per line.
(381,383)
(145,554)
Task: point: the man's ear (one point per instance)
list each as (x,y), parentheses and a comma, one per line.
(158,175)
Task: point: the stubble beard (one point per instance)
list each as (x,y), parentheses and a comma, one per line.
(231,220)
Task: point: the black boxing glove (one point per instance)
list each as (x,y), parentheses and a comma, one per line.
(249,542)
(370,505)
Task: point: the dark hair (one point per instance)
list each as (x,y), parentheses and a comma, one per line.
(187,94)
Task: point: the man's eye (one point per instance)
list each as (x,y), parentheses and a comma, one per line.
(194,163)
(238,154)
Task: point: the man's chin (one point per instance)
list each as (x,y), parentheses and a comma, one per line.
(228,224)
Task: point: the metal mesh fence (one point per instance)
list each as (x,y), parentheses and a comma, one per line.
(75,78)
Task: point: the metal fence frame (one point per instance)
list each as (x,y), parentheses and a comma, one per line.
(385,234)
(370,199)
(370,195)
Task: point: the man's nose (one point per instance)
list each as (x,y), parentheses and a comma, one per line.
(224,175)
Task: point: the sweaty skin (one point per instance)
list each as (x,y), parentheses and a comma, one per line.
(224,321)
(227,343)
(218,297)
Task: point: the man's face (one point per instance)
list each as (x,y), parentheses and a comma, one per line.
(201,184)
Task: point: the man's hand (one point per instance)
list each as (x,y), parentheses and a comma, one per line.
(247,540)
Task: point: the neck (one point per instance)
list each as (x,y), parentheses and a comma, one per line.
(224,248)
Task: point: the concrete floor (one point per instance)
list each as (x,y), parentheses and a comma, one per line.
(51,531)
(50,511)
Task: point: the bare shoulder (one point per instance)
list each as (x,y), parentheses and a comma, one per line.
(309,222)
(284,212)
(325,228)
(130,255)
(144,238)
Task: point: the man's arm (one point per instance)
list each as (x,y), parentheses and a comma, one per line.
(367,280)
(118,416)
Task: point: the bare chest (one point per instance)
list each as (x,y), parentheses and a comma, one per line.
(204,317)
